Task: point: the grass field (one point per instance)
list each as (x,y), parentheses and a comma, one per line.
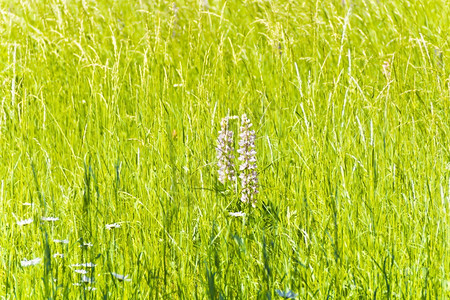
(110,113)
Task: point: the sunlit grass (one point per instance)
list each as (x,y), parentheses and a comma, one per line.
(109,118)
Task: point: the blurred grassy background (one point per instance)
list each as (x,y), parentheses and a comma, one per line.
(110,112)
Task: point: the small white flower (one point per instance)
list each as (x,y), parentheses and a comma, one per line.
(60,255)
(111,226)
(33,262)
(24,222)
(178,85)
(121,277)
(85,265)
(28,204)
(61,241)
(237,214)
(86,279)
(81,271)
(86,245)
(49,219)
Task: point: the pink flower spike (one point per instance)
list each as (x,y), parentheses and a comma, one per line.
(248,176)
(225,151)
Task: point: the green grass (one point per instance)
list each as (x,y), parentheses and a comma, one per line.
(110,112)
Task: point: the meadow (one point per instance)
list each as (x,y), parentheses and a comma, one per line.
(109,123)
